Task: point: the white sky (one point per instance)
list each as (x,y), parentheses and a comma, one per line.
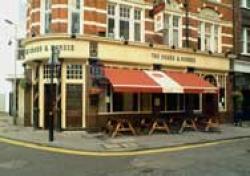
(13,10)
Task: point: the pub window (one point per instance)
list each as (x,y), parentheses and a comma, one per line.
(47,16)
(75,16)
(74,71)
(47,71)
(145,102)
(93,49)
(125,102)
(192,102)
(174,102)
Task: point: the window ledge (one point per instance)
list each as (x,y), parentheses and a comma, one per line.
(245,54)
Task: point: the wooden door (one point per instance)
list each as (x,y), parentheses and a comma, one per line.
(74,106)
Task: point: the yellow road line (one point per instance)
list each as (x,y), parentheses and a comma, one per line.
(106,154)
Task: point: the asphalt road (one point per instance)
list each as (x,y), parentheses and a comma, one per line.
(230,159)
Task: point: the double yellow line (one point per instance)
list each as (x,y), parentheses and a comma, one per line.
(110,154)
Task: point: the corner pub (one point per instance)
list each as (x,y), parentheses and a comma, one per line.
(115,62)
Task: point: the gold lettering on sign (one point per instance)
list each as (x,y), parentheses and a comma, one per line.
(173,58)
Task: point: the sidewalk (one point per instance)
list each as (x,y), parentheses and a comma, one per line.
(80,140)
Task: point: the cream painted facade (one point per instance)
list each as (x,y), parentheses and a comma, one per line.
(112,53)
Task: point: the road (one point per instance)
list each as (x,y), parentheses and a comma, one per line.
(230,159)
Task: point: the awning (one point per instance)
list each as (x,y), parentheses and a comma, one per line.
(128,80)
(152,81)
(191,83)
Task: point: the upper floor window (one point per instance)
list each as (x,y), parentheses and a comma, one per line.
(245,3)
(124,22)
(47,16)
(75,9)
(172,30)
(208,37)
(246,41)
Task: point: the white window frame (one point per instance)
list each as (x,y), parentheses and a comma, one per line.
(202,33)
(131,21)
(70,11)
(244,4)
(245,41)
(43,15)
(170,27)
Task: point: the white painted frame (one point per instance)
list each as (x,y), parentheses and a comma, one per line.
(81,11)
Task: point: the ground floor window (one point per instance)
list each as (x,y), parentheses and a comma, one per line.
(110,101)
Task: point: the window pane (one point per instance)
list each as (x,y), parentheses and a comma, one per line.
(166,37)
(207,42)
(176,37)
(111,27)
(125,102)
(124,11)
(124,29)
(248,3)
(137,32)
(137,14)
(172,102)
(47,22)
(146,103)
(192,101)
(47,5)
(111,9)
(175,21)
(75,26)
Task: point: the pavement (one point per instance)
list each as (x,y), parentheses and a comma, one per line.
(100,142)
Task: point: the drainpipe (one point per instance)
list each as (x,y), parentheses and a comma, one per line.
(186,5)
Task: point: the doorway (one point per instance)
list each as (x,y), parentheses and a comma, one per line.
(47,103)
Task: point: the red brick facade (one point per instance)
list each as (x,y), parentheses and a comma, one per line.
(95,19)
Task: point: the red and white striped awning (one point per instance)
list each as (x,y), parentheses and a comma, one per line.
(152,81)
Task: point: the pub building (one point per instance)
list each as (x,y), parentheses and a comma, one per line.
(131,59)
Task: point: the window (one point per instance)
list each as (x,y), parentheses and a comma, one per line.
(145,102)
(125,102)
(74,71)
(111,20)
(47,71)
(75,16)
(246,41)
(137,25)
(172,30)
(124,22)
(47,16)
(175,102)
(208,37)
(93,49)
(245,3)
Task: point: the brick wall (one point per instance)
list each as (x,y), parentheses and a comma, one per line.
(95,16)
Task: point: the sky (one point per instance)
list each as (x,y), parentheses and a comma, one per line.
(13,10)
